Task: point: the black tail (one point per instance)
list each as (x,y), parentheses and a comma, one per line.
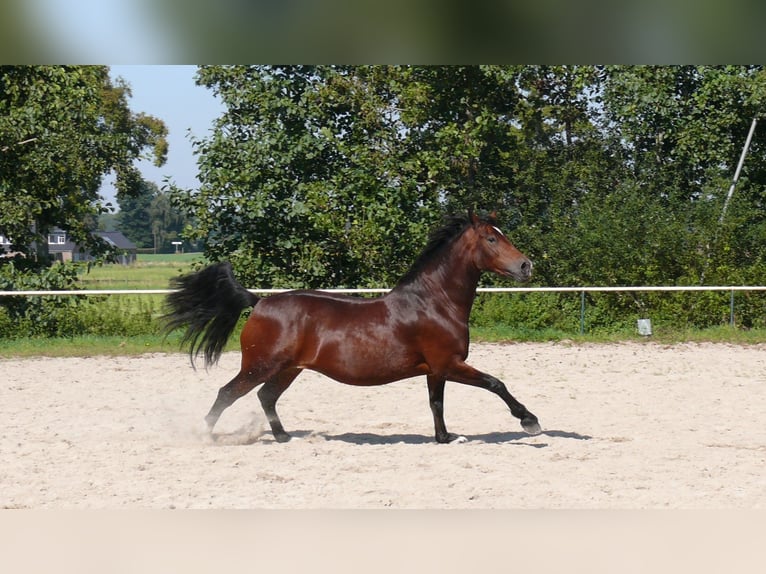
(208,303)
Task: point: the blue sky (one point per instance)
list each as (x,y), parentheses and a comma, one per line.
(111,30)
(120,30)
(170,94)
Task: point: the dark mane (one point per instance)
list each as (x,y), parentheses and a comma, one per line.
(453,227)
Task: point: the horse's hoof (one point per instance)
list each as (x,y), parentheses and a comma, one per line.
(451,438)
(204,432)
(282,437)
(530,425)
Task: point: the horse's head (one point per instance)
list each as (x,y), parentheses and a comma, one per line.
(494,252)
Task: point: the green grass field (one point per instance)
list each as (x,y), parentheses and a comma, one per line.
(149,272)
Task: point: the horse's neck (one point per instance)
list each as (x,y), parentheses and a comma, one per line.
(451,280)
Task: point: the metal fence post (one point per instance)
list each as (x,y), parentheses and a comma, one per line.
(582,312)
(731,309)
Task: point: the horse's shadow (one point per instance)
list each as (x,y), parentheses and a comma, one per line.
(515,438)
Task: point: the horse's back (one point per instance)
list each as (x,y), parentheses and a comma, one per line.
(344,337)
(310,304)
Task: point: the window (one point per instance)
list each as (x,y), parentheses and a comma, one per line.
(57,239)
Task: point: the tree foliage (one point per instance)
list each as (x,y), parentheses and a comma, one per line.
(62,129)
(605,175)
(331,176)
(149,219)
(680,131)
(133,219)
(305,167)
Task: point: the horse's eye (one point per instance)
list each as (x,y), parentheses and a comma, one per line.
(492,239)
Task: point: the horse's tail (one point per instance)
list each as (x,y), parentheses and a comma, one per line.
(208,303)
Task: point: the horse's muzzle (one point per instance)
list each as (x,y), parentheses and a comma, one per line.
(525,270)
(521,271)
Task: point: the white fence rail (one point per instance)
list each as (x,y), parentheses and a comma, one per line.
(381,290)
(732,289)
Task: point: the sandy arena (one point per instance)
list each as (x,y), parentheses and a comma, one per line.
(634,426)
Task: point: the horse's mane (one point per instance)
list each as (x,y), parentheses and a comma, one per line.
(452,228)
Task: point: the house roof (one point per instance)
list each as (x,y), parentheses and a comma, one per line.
(114,238)
(117,239)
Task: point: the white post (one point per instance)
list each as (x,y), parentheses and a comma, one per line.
(739,169)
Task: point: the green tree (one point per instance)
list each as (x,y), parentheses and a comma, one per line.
(62,129)
(149,219)
(324,175)
(134,218)
(671,137)
(167,223)
(304,180)
(315,175)
(553,159)
(680,131)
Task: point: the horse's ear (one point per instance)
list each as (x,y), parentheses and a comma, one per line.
(473,217)
(493,216)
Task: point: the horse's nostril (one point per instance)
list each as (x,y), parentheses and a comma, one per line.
(526,266)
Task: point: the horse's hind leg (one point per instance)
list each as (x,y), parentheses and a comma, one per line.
(269,395)
(239,386)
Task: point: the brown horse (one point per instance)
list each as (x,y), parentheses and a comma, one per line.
(419,328)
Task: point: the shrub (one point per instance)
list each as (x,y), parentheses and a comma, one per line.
(37,315)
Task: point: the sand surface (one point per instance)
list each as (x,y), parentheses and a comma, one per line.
(635,425)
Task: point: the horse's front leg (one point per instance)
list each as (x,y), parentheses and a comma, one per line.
(460,372)
(436,400)
(269,395)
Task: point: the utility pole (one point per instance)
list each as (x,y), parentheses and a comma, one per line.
(729,196)
(739,169)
